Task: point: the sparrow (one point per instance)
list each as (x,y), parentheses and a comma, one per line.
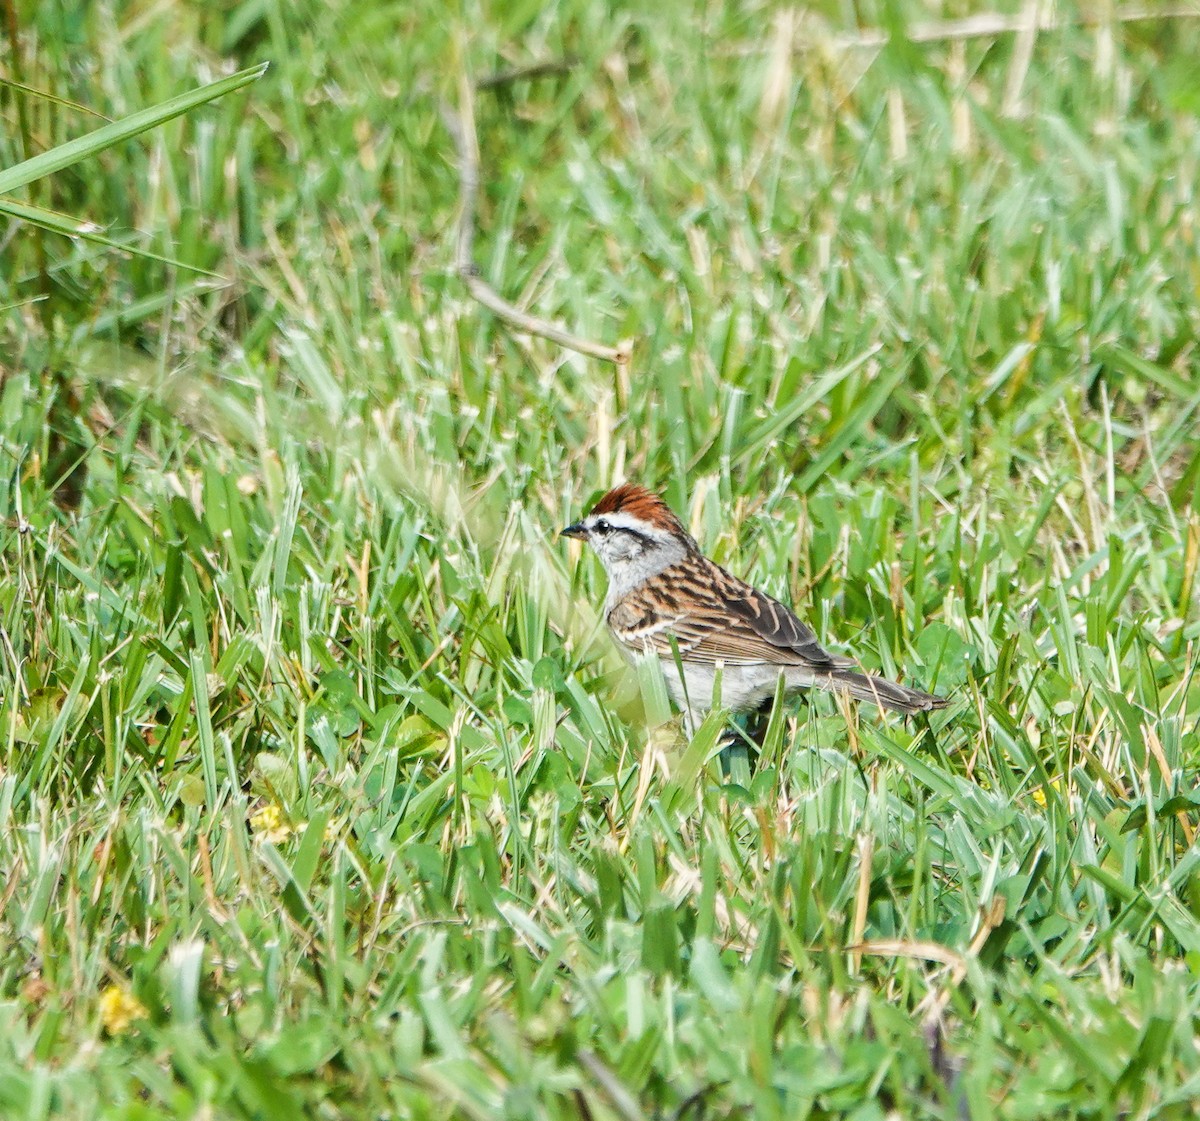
(666,599)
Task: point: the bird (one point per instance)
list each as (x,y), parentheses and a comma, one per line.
(669,601)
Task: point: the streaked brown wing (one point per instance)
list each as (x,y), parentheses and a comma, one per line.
(774,623)
(713,616)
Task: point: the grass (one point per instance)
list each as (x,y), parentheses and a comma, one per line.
(322,792)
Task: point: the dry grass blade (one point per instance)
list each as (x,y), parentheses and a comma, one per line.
(989,24)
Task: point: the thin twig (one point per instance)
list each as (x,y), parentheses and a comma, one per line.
(526,73)
(461,127)
(468,192)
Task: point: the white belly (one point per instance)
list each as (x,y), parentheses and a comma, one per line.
(741,689)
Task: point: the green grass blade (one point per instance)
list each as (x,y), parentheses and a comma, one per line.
(73,151)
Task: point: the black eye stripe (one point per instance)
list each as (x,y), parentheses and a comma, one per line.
(604,527)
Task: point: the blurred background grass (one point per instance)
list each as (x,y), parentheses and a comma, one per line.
(320,790)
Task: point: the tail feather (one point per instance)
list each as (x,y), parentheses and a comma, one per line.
(880,691)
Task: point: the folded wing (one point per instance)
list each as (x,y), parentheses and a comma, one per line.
(712,617)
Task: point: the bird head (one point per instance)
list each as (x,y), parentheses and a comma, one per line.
(634,533)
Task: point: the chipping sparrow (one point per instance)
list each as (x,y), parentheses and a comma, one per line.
(665,595)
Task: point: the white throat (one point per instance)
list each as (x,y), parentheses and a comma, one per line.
(628,571)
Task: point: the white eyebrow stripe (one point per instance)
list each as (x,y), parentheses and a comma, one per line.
(621,520)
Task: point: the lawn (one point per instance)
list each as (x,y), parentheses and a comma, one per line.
(323,792)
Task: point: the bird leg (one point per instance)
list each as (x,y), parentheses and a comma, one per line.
(741,742)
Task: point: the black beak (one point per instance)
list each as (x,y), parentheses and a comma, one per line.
(575,530)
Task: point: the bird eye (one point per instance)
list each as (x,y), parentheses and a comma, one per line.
(602,526)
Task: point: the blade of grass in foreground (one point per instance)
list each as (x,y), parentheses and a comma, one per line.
(72,152)
(87,231)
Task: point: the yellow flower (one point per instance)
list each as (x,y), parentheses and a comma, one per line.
(1038,793)
(269,824)
(118,1009)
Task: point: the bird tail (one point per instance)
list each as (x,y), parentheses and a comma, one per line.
(880,691)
